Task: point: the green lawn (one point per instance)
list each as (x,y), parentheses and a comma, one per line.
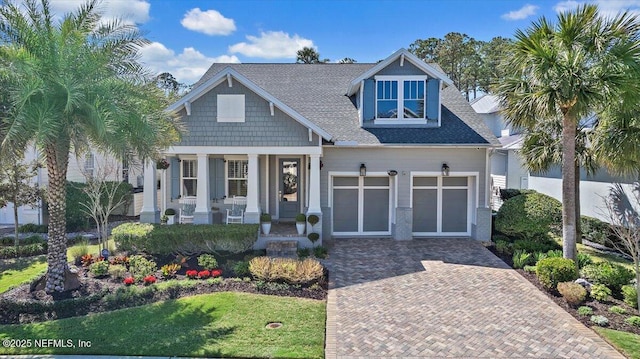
(601,257)
(14,272)
(214,325)
(627,343)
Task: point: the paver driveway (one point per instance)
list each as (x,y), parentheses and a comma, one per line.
(443,298)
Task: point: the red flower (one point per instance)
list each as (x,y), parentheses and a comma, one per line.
(192,273)
(216,273)
(129,281)
(150,279)
(203,274)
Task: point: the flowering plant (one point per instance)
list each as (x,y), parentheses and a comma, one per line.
(192,273)
(216,273)
(162,164)
(123,260)
(150,279)
(87,259)
(203,274)
(129,281)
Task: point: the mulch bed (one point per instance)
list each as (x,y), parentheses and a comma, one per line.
(616,321)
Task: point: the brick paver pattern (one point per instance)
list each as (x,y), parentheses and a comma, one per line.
(443,298)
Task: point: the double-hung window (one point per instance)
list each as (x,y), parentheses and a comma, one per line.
(237,171)
(189,178)
(400,98)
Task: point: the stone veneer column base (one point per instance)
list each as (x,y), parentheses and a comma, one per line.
(404,224)
(251,217)
(202,218)
(150,217)
(483,224)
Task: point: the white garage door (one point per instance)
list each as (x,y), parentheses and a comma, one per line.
(441,206)
(361,205)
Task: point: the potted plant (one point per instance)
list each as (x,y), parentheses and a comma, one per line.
(265,221)
(170,213)
(313,220)
(301,222)
(163,219)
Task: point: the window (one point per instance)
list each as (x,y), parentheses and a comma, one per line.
(237,177)
(230,108)
(400,98)
(189,178)
(89,165)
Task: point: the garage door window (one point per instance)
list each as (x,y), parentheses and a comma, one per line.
(440,205)
(361,205)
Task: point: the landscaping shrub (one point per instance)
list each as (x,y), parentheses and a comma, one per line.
(529,269)
(595,230)
(320,252)
(535,246)
(79,250)
(170,270)
(32,240)
(633,320)
(140,267)
(630,295)
(521,259)
(504,247)
(584,310)
(303,253)
(77,219)
(610,274)
(529,216)
(99,269)
(241,269)
(572,292)
(207,261)
(285,269)
(507,193)
(551,271)
(583,260)
(556,253)
(117,271)
(600,320)
(618,310)
(600,292)
(23,251)
(185,239)
(33,228)
(539,256)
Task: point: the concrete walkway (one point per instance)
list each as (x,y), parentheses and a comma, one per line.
(443,298)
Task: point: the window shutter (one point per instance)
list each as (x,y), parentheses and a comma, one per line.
(433,98)
(212,178)
(369,99)
(174,166)
(219,188)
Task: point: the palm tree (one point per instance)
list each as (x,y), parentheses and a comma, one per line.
(569,70)
(75,84)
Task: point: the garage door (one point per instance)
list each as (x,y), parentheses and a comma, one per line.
(441,206)
(361,205)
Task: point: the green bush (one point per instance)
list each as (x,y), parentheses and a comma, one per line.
(585,310)
(186,240)
(300,217)
(320,252)
(32,240)
(630,295)
(508,193)
(504,247)
(207,261)
(600,320)
(618,310)
(610,274)
(241,269)
(117,271)
(286,270)
(584,260)
(99,269)
(140,267)
(633,320)
(33,228)
(529,216)
(303,253)
(595,230)
(535,246)
(23,251)
(77,219)
(600,292)
(551,271)
(572,292)
(529,269)
(521,259)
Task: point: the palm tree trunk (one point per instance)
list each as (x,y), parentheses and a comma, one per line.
(57,161)
(16,224)
(568,187)
(578,220)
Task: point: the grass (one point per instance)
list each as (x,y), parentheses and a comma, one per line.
(627,343)
(14,272)
(214,325)
(604,257)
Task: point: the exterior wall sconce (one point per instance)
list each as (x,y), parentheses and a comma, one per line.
(445,169)
(363,170)
(392,173)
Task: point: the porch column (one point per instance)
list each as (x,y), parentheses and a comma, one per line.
(314,196)
(202,214)
(150,212)
(252,212)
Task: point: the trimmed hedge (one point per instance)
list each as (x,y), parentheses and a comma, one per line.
(23,251)
(508,193)
(551,271)
(529,216)
(610,274)
(188,239)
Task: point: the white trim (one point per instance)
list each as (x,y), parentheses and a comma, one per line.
(271,108)
(243,150)
(439,103)
(187,107)
(400,119)
(228,199)
(361,107)
(229,80)
(401,60)
(401,77)
(221,76)
(266,183)
(279,182)
(430,70)
(310,135)
(487,179)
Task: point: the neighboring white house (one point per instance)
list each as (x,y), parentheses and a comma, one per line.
(77,166)
(508,170)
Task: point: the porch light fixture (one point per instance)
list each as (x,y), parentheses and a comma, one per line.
(392,173)
(363,170)
(445,169)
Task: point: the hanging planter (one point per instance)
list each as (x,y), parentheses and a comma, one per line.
(162,164)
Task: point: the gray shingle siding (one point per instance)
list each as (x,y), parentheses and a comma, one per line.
(259,128)
(394,69)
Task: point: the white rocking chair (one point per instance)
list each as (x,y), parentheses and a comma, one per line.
(187,208)
(236,213)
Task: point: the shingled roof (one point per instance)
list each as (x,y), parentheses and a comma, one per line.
(318,92)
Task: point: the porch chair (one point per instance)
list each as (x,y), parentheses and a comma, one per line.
(236,213)
(187,207)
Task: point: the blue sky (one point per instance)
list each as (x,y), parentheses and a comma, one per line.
(187,35)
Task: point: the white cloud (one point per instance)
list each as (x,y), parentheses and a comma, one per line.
(522,13)
(569,5)
(187,67)
(608,8)
(271,45)
(130,11)
(208,22)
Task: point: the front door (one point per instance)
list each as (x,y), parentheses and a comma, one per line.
(289,191)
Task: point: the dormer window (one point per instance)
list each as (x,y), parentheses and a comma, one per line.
(401,99)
